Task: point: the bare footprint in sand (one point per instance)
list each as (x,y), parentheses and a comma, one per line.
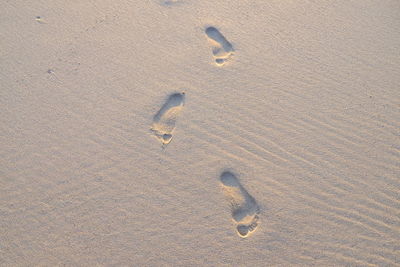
(169,2)
(165,119)
(222,49)
(245,209)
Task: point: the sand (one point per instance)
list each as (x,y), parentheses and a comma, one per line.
(199,133)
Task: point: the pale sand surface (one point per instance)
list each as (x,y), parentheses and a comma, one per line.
(287,131)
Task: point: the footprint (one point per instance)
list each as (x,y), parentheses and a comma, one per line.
(245,210)
(169,2)
(222,49)
(39,20)
(165,119)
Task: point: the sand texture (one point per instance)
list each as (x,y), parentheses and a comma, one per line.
(199,133)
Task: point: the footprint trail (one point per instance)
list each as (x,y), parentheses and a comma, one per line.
(222,49)
(165,119)
(245,210)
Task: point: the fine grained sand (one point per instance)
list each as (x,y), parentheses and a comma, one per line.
(285,150)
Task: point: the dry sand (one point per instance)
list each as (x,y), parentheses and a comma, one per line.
(199,133)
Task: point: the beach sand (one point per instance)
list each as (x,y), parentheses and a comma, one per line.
(199,133)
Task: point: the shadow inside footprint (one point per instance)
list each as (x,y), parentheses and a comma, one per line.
(245,209)
(165,119)
(222,49)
